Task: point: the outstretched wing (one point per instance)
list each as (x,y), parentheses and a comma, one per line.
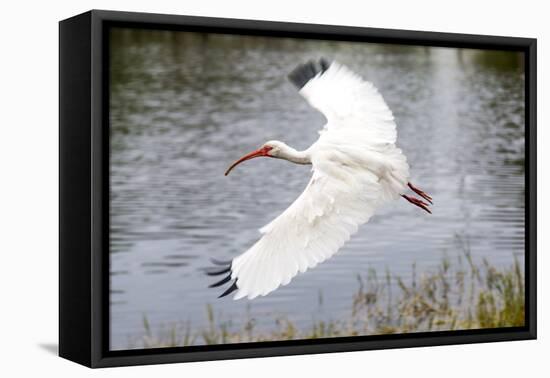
(349,103)
(308,232)
(356,169)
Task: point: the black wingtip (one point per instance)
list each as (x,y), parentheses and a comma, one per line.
(231,289)
(221,282)
(217,271)
(305,72)
(226,268)
(325,64)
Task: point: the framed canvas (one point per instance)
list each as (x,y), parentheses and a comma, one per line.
(407,219)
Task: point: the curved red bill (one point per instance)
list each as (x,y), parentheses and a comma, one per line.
(257,153)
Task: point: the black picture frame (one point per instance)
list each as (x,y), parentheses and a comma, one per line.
(83,194)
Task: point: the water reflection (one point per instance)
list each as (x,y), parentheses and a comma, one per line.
(185,105)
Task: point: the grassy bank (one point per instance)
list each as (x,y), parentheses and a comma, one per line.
(452,296)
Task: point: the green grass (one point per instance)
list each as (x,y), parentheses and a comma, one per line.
(452,296)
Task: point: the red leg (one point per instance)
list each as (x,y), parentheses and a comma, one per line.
(415,201)
(420,193)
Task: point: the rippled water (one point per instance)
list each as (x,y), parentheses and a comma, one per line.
(185,105)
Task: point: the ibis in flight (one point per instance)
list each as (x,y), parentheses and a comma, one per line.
(356,169)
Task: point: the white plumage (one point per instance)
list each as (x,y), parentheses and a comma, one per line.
(356,169)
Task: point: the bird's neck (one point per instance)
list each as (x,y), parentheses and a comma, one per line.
(294,156)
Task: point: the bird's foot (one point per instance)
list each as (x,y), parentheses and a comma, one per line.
(417,202)
(421,193)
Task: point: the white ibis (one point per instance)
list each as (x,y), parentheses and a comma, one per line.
(356,169)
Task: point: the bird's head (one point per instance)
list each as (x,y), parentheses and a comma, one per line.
(272,148)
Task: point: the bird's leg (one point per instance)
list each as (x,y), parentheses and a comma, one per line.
(417,202)
(420,193)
